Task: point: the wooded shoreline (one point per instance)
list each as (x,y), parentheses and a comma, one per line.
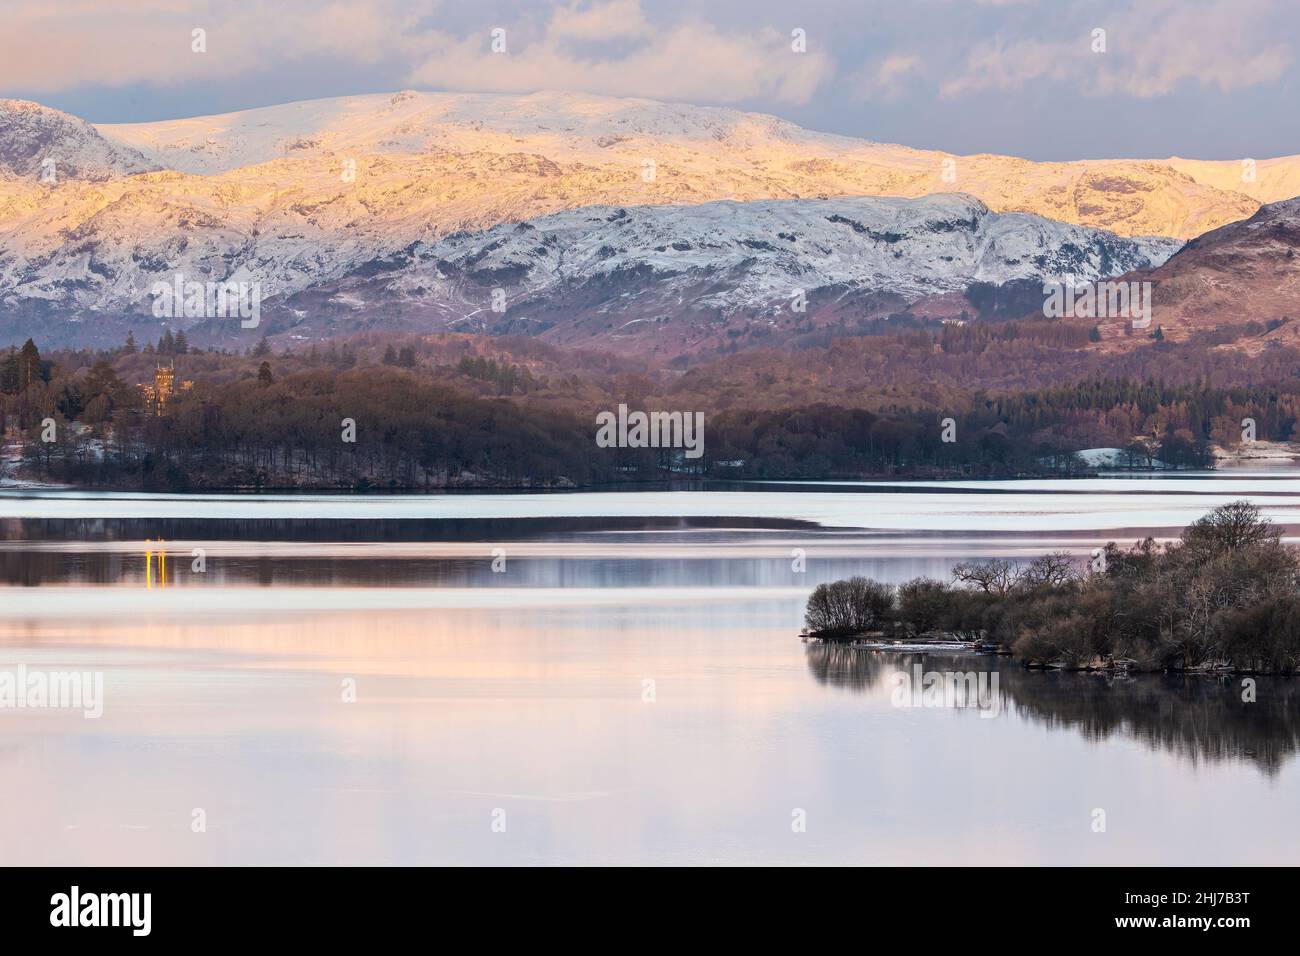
(1223,599)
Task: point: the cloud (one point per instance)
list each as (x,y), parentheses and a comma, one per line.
(885,80)
(1152,48)
(54,45)
(609,47)
(999,65)
(691,59)
(618,19)
(1231,46)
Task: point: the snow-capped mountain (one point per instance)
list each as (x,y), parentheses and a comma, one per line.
(407,208)
(37,142)
(593,270)
(706,153)
(709,152)
(674,279)
(726,258)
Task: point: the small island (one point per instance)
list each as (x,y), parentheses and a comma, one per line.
(1224,598)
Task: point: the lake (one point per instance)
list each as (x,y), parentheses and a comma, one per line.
(608,677)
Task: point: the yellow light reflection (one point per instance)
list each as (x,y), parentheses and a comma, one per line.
(148,564)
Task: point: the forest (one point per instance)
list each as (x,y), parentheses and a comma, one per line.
(420,412)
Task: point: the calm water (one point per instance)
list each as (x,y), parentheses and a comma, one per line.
(630,688)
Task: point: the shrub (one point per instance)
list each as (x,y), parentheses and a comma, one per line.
(1227,592)
(926,605)
(845,608)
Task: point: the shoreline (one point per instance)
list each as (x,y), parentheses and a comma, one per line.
(981,648)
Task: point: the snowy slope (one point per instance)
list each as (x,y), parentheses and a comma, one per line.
(667,280)
(418,205)
(559,125)
(35,138)
(753,256)
(721,258)
(708,153)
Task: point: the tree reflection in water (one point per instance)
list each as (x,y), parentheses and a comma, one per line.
(1195,717)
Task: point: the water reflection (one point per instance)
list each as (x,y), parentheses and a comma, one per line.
(645,558)
(1198,718)
(525,690)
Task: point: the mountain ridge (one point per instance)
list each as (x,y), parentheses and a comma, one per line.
(1246,271)
(752,155)
(692,271)
(39,142)
(670,279)
(351,204)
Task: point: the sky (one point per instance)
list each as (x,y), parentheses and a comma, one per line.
(1043,79)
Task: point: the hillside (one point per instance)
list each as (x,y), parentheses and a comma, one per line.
(406,211)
